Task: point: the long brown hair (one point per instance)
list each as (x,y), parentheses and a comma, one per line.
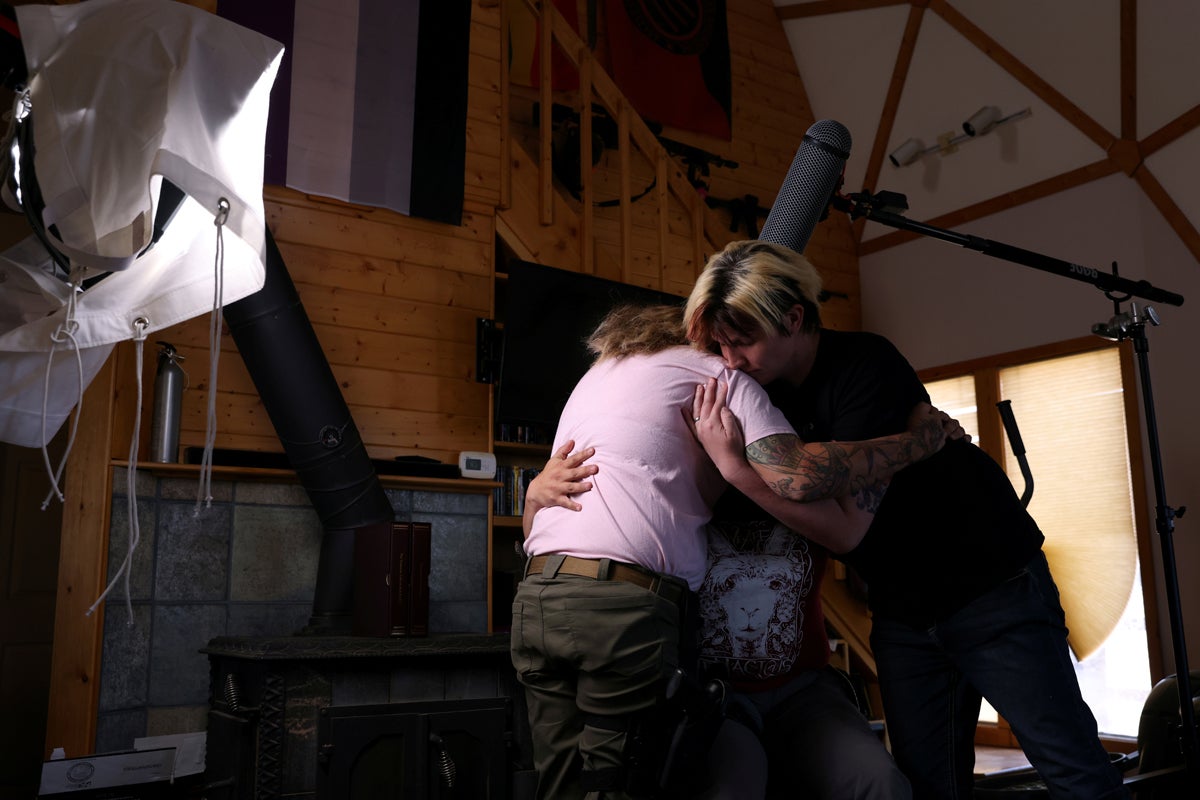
(631,329)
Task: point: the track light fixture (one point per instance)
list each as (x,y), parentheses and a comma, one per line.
(982,122)
(907,153)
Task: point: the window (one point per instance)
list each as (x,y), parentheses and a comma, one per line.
(1076,421)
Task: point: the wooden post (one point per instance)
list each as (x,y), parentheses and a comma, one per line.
(78,638)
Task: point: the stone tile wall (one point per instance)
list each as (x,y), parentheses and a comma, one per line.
(244,566)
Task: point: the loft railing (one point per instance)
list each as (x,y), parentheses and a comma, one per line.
(596,87)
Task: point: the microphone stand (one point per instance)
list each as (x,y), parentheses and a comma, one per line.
(882,208)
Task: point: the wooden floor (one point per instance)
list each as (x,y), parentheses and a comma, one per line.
(996,759)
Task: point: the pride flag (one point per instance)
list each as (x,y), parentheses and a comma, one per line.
(370,104)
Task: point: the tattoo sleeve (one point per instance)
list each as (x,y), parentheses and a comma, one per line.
(820,470)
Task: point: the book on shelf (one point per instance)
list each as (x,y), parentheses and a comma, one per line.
(508,499)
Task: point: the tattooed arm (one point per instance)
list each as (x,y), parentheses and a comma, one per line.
(816,470)
(805,472)
(836,524)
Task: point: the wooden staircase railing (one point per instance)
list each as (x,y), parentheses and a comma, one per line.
(708,233)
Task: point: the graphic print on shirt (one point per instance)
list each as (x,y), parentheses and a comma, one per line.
(753,598)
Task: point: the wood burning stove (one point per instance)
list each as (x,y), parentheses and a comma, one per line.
(444,749)
(338,718)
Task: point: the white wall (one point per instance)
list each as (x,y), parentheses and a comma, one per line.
(940,303)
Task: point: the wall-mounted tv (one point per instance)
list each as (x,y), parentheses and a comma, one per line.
(548,315)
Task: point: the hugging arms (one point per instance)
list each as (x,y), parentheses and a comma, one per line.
(827,491)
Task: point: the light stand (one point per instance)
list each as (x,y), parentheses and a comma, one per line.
(883,208)
(1165,516)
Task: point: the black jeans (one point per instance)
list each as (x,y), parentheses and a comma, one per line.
(1010,646)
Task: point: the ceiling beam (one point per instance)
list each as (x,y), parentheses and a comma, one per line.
(1172,213)
(1003,202)
(1168,133)
(883,133)
(1128,22)
(1030,79)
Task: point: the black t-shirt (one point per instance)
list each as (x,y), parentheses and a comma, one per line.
(950,527)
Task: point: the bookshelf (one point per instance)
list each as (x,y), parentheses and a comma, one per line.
(506,534)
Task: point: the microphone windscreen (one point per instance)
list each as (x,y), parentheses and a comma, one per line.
(809,186)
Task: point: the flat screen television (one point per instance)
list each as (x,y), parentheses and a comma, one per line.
(548,315)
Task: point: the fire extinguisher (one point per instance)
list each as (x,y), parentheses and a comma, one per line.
(169,382)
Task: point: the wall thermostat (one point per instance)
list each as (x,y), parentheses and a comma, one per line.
(477,465)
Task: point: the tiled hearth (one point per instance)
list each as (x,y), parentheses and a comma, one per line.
(245,567)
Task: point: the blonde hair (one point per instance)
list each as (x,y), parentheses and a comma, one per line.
(747,289)
(630,330)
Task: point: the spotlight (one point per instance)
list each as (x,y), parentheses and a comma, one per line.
(906,153)
(982,121)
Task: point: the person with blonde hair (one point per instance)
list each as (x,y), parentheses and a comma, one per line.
(617,546)
(963,604)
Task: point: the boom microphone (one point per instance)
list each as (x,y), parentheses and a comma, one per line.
(814,176)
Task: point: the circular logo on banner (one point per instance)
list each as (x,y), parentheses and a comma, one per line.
(683,27)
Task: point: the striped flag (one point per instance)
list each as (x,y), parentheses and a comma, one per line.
(370,104)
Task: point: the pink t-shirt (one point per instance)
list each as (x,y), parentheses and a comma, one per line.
(655,487)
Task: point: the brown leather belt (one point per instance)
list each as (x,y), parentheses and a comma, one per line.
(617,571)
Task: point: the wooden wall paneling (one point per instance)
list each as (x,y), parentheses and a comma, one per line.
(82,566)
(397,353)
(608,264)
(388,432)
(663,203)
(333,305)
(505,107)
(389,277)
(377,232)
(125,396)
(485,31)
(625,168)
(545,105)
(485,181)
(483,173)
(587,209)
(751,90)
(553,245)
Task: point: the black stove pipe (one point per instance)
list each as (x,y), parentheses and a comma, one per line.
(313,422)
